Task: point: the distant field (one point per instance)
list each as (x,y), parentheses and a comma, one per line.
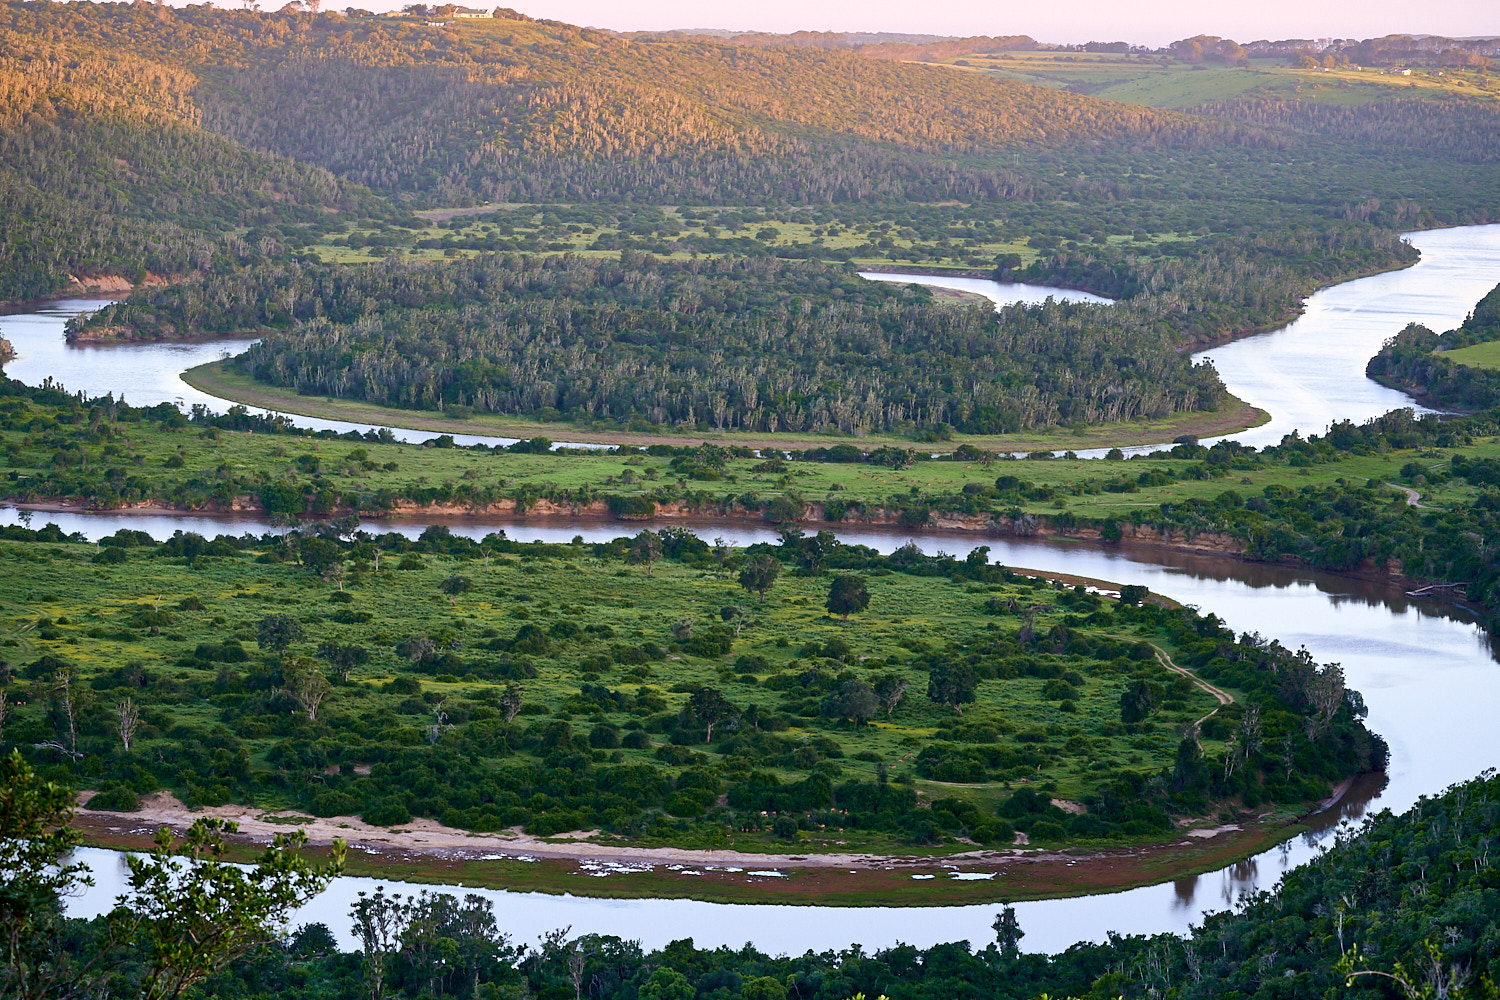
(1158,83)
(1485,355)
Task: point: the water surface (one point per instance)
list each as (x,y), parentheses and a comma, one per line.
(1426,671)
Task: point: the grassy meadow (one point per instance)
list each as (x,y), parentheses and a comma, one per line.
(185,465)
(598,645)
(1166,83)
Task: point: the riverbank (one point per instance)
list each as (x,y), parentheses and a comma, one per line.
(217,379)
(425,852)
(596,513)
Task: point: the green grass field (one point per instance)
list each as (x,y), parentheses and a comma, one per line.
(1485,355)
(1161,83)
(132,628)
(147,456)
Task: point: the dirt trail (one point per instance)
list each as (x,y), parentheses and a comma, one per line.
(1412,496)
(1224,697)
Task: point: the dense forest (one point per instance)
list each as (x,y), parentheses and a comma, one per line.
(753,343)
(1405,905)
(104,170)
(1464,131)
(170,141)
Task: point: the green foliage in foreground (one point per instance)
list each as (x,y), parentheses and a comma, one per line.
(1405,906)
(186,915)
(559,687)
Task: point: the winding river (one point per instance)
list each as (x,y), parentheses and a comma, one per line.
(1427,671)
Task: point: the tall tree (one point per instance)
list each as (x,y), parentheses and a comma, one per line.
(759,574)
(34,875)
(277,632)
(710,707)
(848,594)
(952,684)
(127,721)
(645,550)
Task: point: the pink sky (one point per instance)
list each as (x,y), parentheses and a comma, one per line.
(1154,23)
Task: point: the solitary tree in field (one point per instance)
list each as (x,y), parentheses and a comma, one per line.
(277,632)
(722,552)
(1138,701)
(307,686)
(759,574)
(710,707)
(854,700)
(320,555)
(890,689)
(847,595)
(65,702)
(511,700)
(455,587)
(645,549)
(736,614)
(344,658)
(952,684)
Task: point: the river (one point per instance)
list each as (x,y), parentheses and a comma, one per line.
(1426,671)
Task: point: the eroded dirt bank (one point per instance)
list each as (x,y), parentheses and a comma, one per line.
(1042,526)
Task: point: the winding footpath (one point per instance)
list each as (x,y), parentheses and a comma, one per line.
(1224,697)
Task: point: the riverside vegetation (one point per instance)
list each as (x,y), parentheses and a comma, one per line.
(568,139)
(744,344)
(682,148)
(1333,501)
(1403,906)
(655,687)
(1453,370)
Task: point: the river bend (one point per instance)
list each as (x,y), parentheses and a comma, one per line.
(1426,671)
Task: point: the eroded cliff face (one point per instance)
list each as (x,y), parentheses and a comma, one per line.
(992,525)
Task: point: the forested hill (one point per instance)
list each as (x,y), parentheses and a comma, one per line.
(105,169)
(516,110)
(496,110)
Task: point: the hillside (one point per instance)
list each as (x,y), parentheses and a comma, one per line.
(105,170)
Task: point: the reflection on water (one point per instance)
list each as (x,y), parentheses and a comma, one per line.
(1311,373)
(143,374)
(1424,669)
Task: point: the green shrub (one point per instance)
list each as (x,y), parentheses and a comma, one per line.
(116,797)
(1046,829)
(338,804)
(389,812)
